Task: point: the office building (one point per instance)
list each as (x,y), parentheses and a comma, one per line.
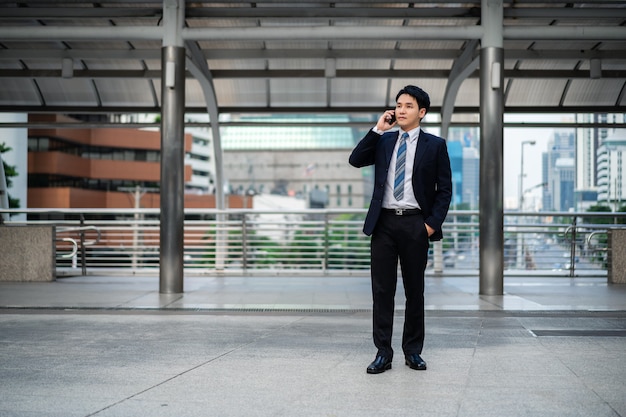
(559,172)
(111,168)
(302,160)
(611,157)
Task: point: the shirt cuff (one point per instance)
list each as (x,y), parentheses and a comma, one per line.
(377,130)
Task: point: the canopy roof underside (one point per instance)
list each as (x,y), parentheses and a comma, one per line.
(280,56)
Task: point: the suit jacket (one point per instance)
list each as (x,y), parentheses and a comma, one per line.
(432,177)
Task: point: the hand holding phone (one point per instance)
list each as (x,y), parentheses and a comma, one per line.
(387,120)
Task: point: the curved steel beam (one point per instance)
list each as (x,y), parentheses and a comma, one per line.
(461,69)
(197,66)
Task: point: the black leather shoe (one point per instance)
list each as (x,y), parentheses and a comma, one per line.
(415,361)
(380,365)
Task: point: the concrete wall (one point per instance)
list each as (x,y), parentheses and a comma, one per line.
(27,253)
(617,256)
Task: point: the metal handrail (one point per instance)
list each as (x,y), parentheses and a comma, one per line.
(82,229)
(320,241)
(74,245)
(591,236)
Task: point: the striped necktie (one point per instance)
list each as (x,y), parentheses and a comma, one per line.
(398,183)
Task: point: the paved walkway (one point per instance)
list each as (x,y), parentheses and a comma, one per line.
(259,346)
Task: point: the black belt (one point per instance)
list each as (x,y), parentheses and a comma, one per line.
(402,212)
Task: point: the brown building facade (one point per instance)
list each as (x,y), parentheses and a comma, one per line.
(95,168)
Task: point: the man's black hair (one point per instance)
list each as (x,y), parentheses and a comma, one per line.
(421,96)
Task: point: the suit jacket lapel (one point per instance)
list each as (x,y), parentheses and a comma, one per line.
(389,148)
(422,144)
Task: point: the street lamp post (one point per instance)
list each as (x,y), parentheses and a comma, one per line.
(520,234)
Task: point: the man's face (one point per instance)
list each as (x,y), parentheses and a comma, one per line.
(408,113)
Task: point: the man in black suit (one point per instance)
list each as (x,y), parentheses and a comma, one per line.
(412,193)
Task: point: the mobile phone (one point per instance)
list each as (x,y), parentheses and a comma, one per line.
(392,119)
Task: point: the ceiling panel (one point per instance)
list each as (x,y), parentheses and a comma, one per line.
(301,92)
(423,64)
(430,44)
(236,64)
(194,96)
(434,86)
(521,92)
(70,92)
(259,72)
(90,46)
(469,93)
(296,44)
(543,64)
(361,45)
(355,64)
(296,64)
(601,91)
(354,92)
(232,93)
(120,92)
(18,92)
(113,64)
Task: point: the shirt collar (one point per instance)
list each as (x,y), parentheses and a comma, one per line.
(413,134)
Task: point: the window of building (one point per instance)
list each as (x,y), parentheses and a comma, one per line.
(339,195)
(349,195)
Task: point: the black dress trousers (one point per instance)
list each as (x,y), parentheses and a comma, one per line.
(402,238)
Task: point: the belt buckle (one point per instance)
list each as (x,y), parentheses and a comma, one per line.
(399,212)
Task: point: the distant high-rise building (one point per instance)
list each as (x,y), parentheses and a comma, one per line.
(455,152)
(611,157)
(463,145)
(587,141)
(471,180)
(559,172)
(599,157)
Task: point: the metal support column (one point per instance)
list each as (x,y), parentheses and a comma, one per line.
(172,150)
(491,208)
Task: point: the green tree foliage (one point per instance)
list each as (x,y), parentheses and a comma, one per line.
(9,172)
(260,250)
(348,246)
(598,208)
(622,209)
(305,247)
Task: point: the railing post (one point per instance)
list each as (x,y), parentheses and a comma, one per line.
(221,240)
(438,257)
(572,248)
(244,242)
(83,255)
(326,244)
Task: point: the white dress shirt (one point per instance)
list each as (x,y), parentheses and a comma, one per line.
(408,201)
